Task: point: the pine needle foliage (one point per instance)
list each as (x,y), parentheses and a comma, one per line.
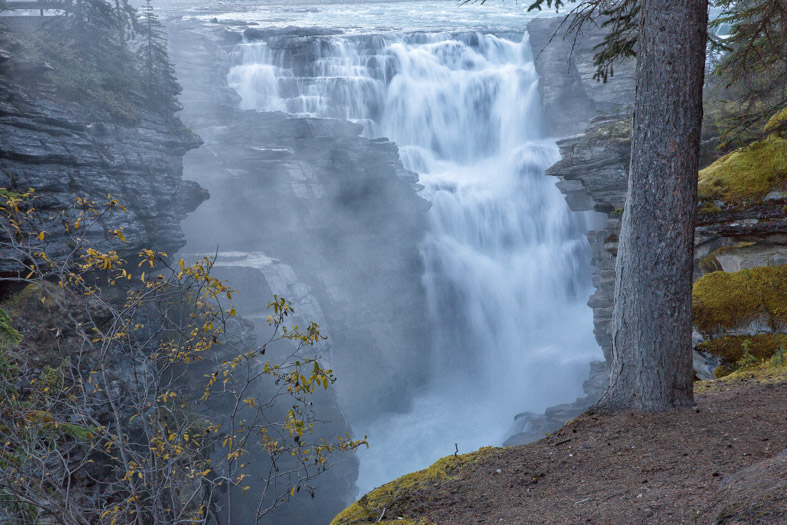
(619,17)
(753,66)
(106,53)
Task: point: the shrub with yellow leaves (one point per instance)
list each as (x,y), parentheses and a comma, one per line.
(97,416)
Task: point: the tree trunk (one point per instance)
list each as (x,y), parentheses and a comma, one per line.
(652,319)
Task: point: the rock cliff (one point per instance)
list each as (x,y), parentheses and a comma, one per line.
(64,149)
(734,231)
(570,96)
(308,209)
(357,217)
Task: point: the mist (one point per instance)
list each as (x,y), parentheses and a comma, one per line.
(382,166)
(454,293)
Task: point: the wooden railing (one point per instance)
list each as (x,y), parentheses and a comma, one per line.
(41,6)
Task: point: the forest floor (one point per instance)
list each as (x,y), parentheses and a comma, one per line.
(723,461)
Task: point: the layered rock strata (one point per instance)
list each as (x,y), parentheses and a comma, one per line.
(65,150)
(336,207)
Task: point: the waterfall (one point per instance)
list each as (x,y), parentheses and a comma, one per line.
(506,263)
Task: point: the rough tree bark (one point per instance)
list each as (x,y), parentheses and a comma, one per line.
(652,319)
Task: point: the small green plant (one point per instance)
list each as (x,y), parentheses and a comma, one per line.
(777,359)
(748,360)
(8,334)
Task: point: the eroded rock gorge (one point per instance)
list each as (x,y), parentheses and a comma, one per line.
(63,149)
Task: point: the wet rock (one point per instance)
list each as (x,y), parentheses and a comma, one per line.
(705,364)
(309,209)
(64,150)
(253,33)
(569,94)
(529,427)
(593,175)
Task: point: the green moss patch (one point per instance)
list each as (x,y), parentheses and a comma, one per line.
(745,176)
(396,494)
(730,300)
(708,208)
(734,351)
(769,371)
(777,121)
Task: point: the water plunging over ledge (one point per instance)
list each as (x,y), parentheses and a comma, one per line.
(506,264)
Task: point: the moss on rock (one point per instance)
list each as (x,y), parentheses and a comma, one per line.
(745,176)
(732,350)
(768,372)
(725,301)
(777,121)
(396,494)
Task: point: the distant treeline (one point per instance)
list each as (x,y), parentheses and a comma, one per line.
(105,52)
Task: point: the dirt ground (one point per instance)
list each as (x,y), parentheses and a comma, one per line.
(720,462)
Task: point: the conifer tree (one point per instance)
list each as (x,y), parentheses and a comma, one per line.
(753,64)
(161,81)
(651,365)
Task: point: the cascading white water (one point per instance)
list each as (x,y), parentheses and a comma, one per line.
(505,260)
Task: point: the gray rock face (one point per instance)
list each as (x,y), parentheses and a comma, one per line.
(64,150)
(569,94)
(593,175)
(357,217)
(309,209)
(253,33)
(530,427)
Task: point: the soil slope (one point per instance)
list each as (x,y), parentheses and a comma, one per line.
(719,462)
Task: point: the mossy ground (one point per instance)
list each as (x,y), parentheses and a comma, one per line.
(765,372)
(729,300)
(382,502)
(740,351)
(745,176)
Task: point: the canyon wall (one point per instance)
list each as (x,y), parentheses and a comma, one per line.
(66,149)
